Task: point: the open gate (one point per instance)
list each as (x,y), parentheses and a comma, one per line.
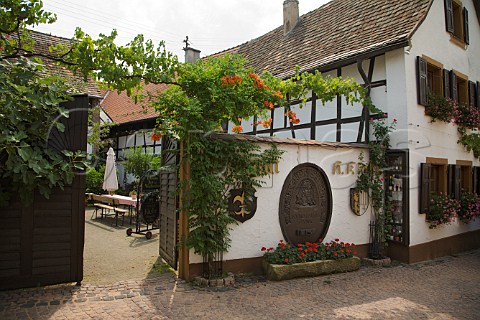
(169,202)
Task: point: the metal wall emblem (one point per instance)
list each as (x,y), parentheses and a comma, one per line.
(242,204)
(359,201)
(305,204)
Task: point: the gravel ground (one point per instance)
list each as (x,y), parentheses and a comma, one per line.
(111,256)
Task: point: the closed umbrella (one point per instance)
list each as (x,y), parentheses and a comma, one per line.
(110,181)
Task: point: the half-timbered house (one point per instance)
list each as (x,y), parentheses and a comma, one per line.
(401,51)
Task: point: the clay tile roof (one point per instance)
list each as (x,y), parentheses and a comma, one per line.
(42,42)
(122,108)
(337,31)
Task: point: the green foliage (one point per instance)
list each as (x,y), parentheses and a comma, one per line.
(137,162)
(30,106)
(286,253)
(371,180)
(218,165)
(95,180)
(15,18)
(98,130)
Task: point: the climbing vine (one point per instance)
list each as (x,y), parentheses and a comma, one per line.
(371,181)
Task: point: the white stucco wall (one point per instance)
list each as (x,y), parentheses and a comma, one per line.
(263,229)
(437,139)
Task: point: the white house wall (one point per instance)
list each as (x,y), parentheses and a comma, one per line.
(263,229)
(437,139)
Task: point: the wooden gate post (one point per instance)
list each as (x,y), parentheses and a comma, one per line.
(183,252)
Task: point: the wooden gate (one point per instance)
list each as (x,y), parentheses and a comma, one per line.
(169,202)
(42,244)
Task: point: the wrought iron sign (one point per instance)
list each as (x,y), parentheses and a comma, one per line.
(305,204)
(242,205)
(150,207)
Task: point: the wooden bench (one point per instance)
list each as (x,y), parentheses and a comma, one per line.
(119,211)
(104,204)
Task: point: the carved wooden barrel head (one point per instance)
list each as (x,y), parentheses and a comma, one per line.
(305,204)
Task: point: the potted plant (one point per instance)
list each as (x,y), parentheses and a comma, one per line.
(133,194)
(288,261)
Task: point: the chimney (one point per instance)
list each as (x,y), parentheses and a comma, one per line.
(191,55)
(290,15)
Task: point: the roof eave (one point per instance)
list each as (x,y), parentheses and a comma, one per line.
(352,59)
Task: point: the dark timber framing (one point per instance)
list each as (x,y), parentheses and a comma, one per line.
(338,121)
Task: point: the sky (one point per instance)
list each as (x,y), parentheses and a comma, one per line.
(211,25)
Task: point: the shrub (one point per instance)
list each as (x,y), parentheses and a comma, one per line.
(95,180)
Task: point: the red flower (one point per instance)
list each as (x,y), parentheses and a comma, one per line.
(281,241)
(263,248)
(270,249)
(237,129)
(335,254)
(336,239)
(156,137)
(286,260)
(300,245)
(300,249)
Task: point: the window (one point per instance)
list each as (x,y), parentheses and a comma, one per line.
(456,20)
(433,79)
(465,175)
(459,87)
(434,179)
(430,79)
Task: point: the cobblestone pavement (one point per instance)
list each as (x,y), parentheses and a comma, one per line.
(447,288)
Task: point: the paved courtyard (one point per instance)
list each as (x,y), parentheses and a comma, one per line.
(447,288)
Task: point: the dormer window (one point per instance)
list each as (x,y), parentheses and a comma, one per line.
(456,18)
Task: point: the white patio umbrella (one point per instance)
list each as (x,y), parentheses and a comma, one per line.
(110,181)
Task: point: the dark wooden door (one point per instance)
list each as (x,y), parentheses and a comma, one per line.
(169,202)
(42,244)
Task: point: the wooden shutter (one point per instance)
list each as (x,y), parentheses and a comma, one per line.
(476,170)
(449,15)
(422,81)
(454,181)
(446,84)
(472,93)
(466,37)
(478,95)
(451,180)
(453,86)
(425,175)
(474,180)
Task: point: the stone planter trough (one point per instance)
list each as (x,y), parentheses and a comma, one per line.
(277,272)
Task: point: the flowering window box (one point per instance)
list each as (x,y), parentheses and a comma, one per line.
(309,260)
